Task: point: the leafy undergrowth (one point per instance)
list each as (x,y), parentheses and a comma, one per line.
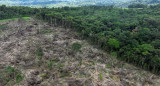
(42,55)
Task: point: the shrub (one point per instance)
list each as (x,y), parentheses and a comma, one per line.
(39,52)
(10,69)
(19,78)
(76,47)
(114,43)
(50,64)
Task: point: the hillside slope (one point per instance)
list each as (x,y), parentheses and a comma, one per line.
(146,2)
(61,3)
(33,53)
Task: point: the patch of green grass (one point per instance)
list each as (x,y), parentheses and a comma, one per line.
(25,18)
(100,76)
(7,19)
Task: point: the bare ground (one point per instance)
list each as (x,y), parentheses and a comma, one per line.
(60,65)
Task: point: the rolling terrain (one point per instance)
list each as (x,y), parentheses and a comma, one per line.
(62,3)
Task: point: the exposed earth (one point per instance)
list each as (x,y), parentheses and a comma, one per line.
(34,53)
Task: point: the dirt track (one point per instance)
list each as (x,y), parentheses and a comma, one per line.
(88,67)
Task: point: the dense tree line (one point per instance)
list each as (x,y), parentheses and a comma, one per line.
(16,11)
(133,34)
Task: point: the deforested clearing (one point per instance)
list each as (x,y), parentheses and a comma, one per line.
(34,53)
